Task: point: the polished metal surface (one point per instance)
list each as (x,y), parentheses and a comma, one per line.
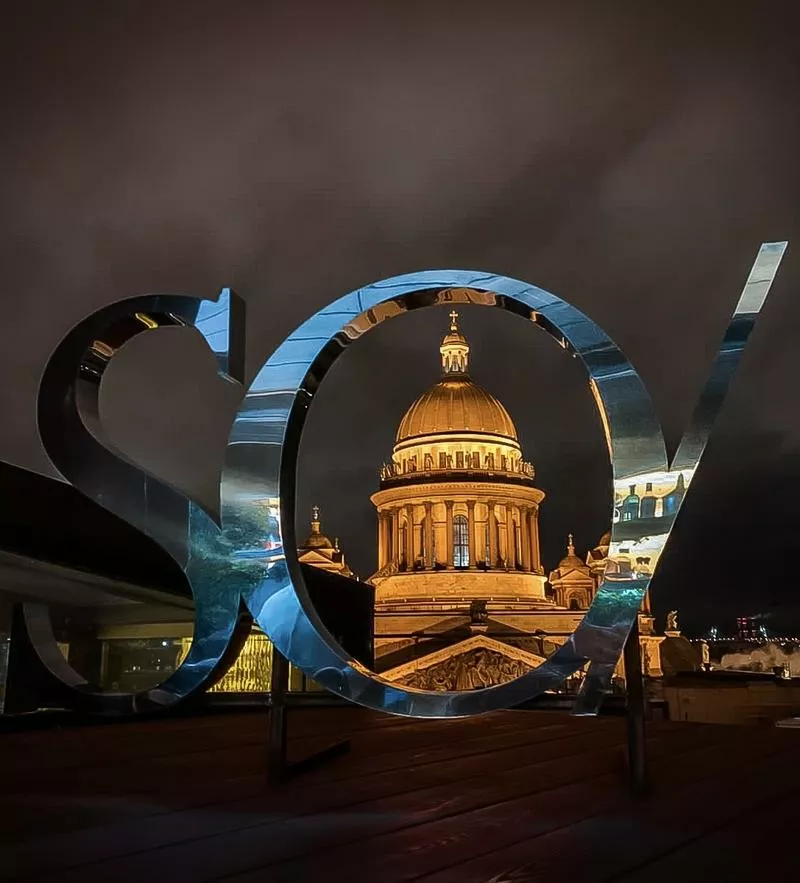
(227,563)
(71,432)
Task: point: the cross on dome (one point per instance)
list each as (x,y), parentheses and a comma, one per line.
(453,320)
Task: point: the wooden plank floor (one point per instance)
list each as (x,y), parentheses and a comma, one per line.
(515,796)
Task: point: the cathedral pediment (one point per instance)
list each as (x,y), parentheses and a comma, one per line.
(575,575)
(471,664)
(312,557)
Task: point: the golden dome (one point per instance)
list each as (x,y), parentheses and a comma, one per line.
(455,403)
(570,560)
(316,539)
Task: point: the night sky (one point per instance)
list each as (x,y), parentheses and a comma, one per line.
(626,157)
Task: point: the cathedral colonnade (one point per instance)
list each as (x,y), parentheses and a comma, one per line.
(479,528)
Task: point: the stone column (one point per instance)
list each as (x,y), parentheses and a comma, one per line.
(429,562)
(409,536)
(525,537)
(387,526)
(511,538)
(382,539)
(536,562)
(493,535)
(449,531)
(395,537)
(473,559)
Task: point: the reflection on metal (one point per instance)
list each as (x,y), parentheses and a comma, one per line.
(224,564)
(71,432)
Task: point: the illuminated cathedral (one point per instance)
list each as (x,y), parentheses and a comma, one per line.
(462,599)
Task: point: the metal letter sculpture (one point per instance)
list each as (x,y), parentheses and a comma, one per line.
(260,466)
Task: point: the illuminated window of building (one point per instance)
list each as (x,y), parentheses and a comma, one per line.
(459,459)
(442,460)
(460,541)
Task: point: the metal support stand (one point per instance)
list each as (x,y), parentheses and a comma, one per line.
(276,726)
(279,769)
(637,756)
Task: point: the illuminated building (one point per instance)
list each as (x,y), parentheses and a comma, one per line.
(572,581)
(319,551)
(461,596)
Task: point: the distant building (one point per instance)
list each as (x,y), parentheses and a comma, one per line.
(320,552)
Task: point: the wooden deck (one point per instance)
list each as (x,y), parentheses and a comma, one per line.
(516,796)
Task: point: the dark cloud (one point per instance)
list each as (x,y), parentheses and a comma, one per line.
(626,157)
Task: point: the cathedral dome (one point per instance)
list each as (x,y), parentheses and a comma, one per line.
(571,561)
(316,539)
(455,403)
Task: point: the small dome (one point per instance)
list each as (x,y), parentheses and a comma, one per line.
(454,337)
(316,539)
(571,561)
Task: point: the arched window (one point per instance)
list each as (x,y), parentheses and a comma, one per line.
(574,604)
(460,541)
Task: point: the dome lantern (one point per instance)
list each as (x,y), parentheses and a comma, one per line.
(454,349)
